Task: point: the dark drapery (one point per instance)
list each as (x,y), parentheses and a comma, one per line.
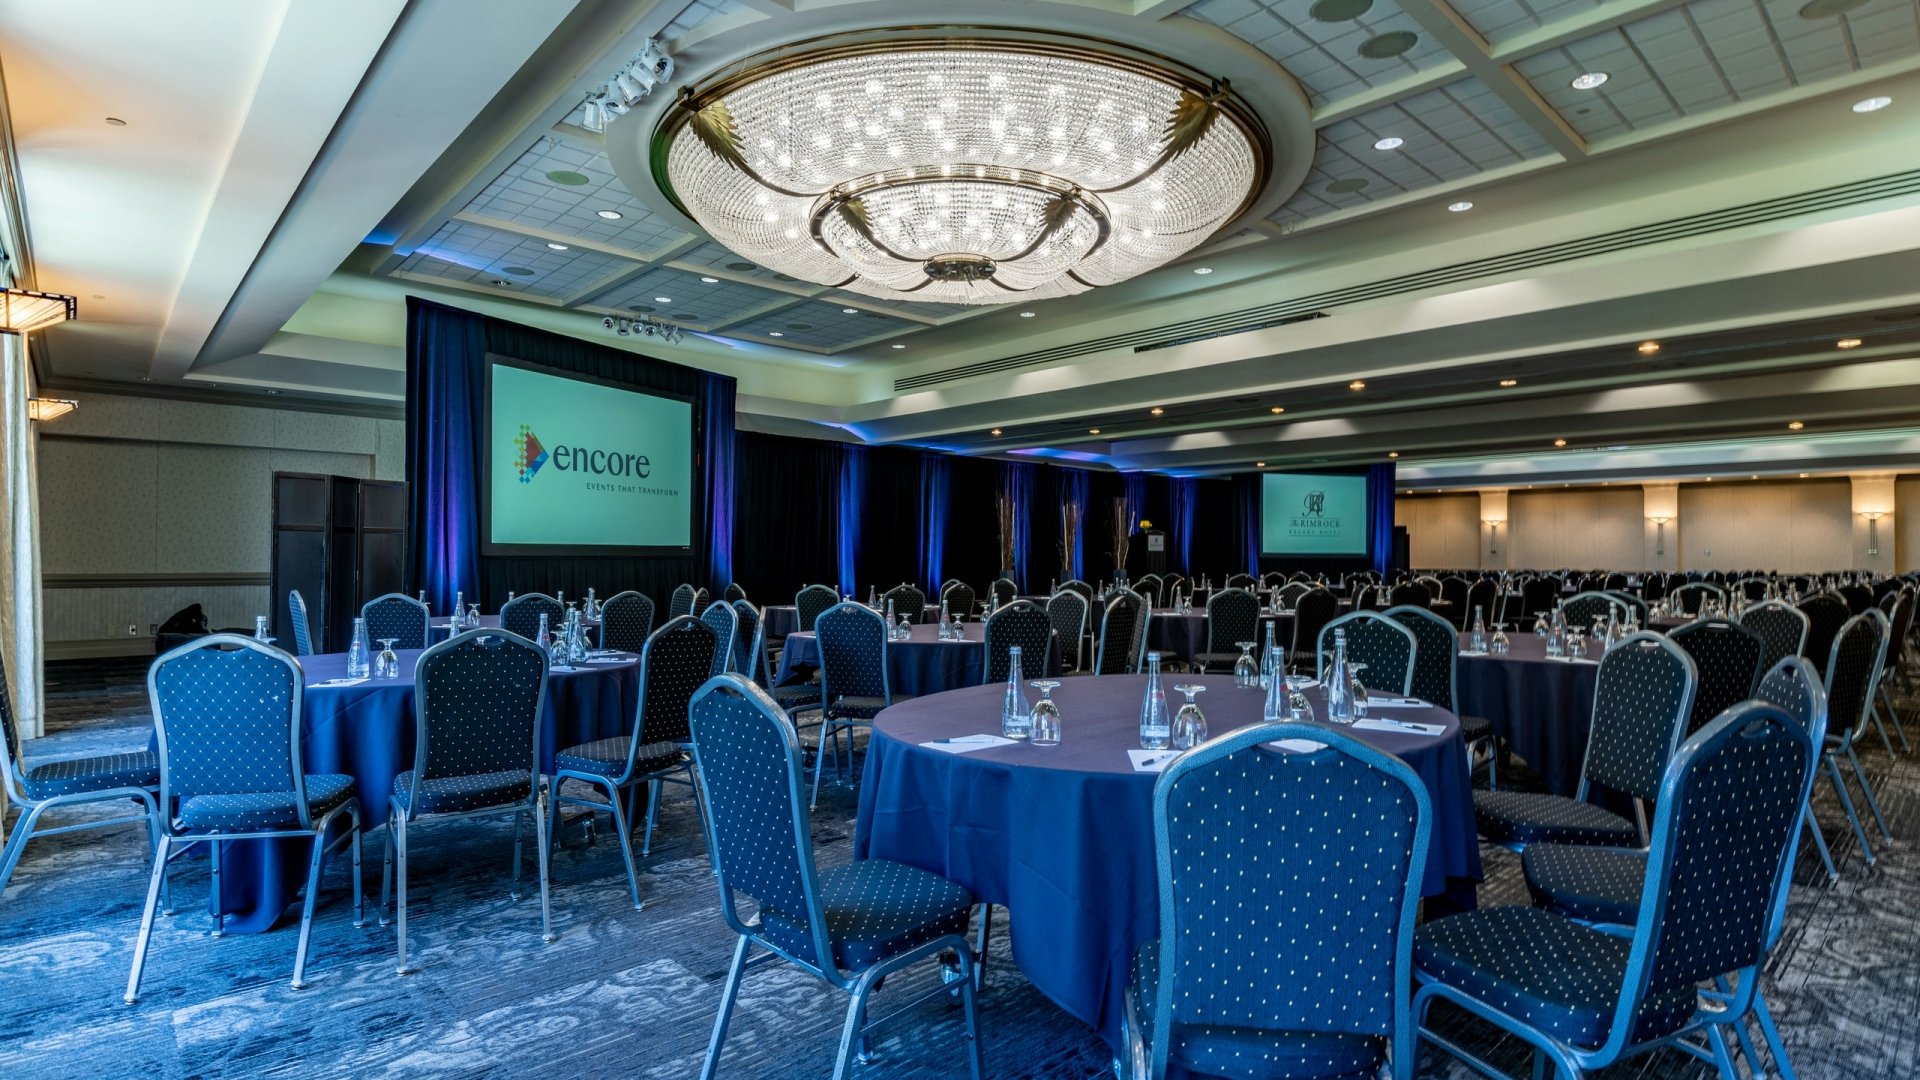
(1380,481)
(1245,521)
(446,396)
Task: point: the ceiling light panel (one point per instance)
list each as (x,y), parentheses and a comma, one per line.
(527,195)
(1503,20)
(461,253)
(694,301)
(821,325)
(1325,54)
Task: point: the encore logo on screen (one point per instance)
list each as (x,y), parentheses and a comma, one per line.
(529,455)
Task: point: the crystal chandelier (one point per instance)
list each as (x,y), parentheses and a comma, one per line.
(960,171)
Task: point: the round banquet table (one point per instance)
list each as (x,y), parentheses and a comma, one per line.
(922,664)
(784,619)
(1063,836)
(1183,634)
(1540,708)
(366,731)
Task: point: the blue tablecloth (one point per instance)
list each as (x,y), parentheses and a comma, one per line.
(1063,837)
(784,619)
(366,731)
(921,665)
(1540,708)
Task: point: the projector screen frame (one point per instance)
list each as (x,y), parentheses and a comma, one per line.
(1300,559)
(487,545)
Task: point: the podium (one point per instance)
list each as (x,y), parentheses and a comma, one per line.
(1146,553)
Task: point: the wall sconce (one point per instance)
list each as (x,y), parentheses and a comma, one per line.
(1660,533)
(23,311)
(49,408)
(1493,534)
(1873,529)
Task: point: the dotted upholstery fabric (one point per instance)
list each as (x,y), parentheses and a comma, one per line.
(1150,587)
(1076,585)
(853,658)
(258,810)
(1639,703)
(1581,610)
(1004,591)
(1436,654)
(1240,581)
(76,776)
(796,696)
(746,641)
(1387,648)
(226,721)
(1524,817)
(960,600)
(1854,665)
(608,758)
(908,602)
(9,727)
(1021,623)
(1790,689)
(1636,606)
(302,628)
(1782,630)
(1252,1053)
(478,702)
(874,908)
(455,794)
(1311,615)
(1826,614)
(626,621)
(1233,615)
(676,662)
(1067,611)
(1142,622)
(1593,883)
(684,602)
(809,602)
(1553,974)
(1728,659)
(1409,594)
(401,618)
(725,624)
(1475,728)
(1116,637)
(521,615)
(733,593)
(1291,592)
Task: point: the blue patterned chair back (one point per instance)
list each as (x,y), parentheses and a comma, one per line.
(1826,614)
(15,766)
(477,699)
(1580,610)
(1727,814)
(1021,623)
(747,641)
(302,626)
(1311,613)
(1901,617)
(853,652)
(1853,669)
(1067,611)
(809,602)
(1233,616)
(1435,658)
(908,600)
(725,623)
(959,599)
(1004,590)
(1781,627)
(521,615)
(1642,697)
(677,661)
(758,833)
(1387,648)
(626,621)
(733,592)
(683,602)
(1150,587)
(1142,621)
(395,616)
(1539,594)
(1291,592)
(225,711)
(1793,686)
(1728,659)
(1116,637)
(1484,597)
(1239,581)
(1085,590)
(1300,917)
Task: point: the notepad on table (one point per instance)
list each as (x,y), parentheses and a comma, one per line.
(1400,727)
(966,744)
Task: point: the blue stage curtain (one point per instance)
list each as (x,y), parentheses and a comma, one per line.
(1019,489)
(1380,481)
(715,401)
(935,484)
(1185,497)
(1246,489)
(1073,491)
(853,477)
(445,401)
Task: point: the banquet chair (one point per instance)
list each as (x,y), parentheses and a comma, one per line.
(1285,937)
(1454,589)
(685,601)
(1728,658)
(793,698)
(1272,580)
(1853,669)
(1239,581)
(1405,594)
(1025,624)
(1067,610)
(1858,597)
(1150,587)
(302,626)
(1431,584)
(1291,592)
(1175,583)
(749,640)
(809,602)
(1826,614)
(733,593)
(1753,589)
(1695,593)
(1312,612)
(854,681)
(1538,595)
(226,720)
(673,664)
(908,602)
(850,925)
(1633,606)
(958,599)
(56,785)
(1383,644)
(1142,623)
(1117,655)
(520,616)
(626,621)
(1484,597)
(477,704)
(1654,587)
(1233,616)
(1581,609)
(724,621)
(397,616)
(1085,590)
(1436,671)
(1900,626)
(1584,998)
(1004,591)
(1615,582)
(1781,627)
(1643,694)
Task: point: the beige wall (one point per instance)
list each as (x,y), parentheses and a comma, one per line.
(1586,527)
(1792,525)
(1444,530)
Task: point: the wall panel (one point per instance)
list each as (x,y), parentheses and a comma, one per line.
(1798,525)
(1581,528)
(1443,531)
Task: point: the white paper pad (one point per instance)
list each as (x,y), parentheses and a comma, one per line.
(1375,701)
(966,744)
(340,682)
(1571,660)
(1152,760)
(1399,727)
(610,659)
(1299,746)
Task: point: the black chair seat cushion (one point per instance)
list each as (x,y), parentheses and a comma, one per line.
(1523,817)
(796,695)
(855,707)
(875,908)
(77,776)
(1591,883)
(254,810)
(1475,728)
(454,794)
(608,757)
(1254,1053)
(1544,970)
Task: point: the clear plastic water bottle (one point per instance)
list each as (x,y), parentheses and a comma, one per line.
(260,628)
(1479,640)
(1339,682)
(543,638)
(1276,703)
(893,631)
(1557,633)
(873,600)
(359,659)
(423,599)
(1015,721)
(1269,669)
(1156,728)
(459,607)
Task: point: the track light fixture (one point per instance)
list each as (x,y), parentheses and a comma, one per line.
(642,327)
(628,86)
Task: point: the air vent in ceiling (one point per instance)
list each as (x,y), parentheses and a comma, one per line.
(1314,306)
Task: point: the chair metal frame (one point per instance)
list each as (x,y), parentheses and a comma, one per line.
(170,834)
(723,655)
(426,616)
(1362,618)
(1212,652)
(1852,729)
(1080,629)
(302,626)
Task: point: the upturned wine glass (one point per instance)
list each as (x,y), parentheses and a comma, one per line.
(1046,715)
(387,664)
(1189,724)
(1246,673)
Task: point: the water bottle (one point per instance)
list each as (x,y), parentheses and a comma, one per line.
(359,660)
(1339,682)
(1156,729)
(1557,633)
(1015,721)
(544,639)
(1479,642)
(892,632)
(1276,703)
(423,599)
(260,628)
(577,642)
(592,610)
(946,634)
(873,600)
(510,596)
(1269,670)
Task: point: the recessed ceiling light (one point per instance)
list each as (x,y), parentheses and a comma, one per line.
(1093,431)
(1460,207)
(1026,314)
(1847,343)
(849,311)
(711,280)
(1803,476)
(663,299)
(1559,442)
(114,121)
(1509,382)
(1589,80)
(273,391)
(1872,104)
(1277,410)
(1648,348)
(1259,464)
(1393,453)
(557,247)
(775,333)
(610,215)
(1391,142)
(1203,271)
(1796,425)
(899,346)
(1357,384)
(500,281)
(995,431)
(1157,411)
(1755,476)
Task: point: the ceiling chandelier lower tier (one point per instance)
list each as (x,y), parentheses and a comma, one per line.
(960,170)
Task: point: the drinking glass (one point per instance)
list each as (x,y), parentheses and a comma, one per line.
(473,615)
(1246,673)
(1046,715)
(1189,724)
(1540,624)
(1501,645)
(1359,690)
(1576,644)
(387,664)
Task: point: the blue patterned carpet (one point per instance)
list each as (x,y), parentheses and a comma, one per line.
(626,993)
